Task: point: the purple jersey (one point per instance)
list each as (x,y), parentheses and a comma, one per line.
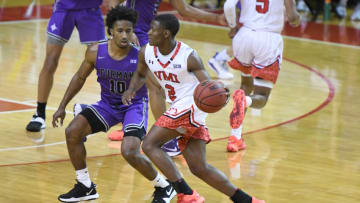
(146,10)
(114,76)
(76,4)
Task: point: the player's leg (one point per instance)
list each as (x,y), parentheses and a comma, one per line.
(135,123)
(194,153)
(85,123)
(242,48)
(58,33)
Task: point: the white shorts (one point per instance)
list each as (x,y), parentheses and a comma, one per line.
(184,106)
(257,48)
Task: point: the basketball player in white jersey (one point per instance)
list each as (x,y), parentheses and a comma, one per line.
(257,48)
(178,70)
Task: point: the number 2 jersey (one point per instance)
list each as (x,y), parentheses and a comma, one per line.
(114,75)
(263,15)
(171,71)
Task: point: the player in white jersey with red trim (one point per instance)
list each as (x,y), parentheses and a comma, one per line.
(178,69)
(257,48)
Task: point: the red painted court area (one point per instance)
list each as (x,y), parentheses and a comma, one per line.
(11,106)
(309,30)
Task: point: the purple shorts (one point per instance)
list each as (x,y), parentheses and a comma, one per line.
(89,23)
(134,116)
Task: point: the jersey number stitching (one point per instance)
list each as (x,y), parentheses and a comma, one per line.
(264,8)
(171,92)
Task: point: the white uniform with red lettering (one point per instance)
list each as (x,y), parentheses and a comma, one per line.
(179,84)
(258,43)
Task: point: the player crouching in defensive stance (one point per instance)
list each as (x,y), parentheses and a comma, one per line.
(178,69)
(115,61)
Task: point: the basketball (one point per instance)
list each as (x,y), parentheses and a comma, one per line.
(211,96)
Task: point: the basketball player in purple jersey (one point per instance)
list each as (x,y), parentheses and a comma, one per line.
(147,10)
(86,16)
(115,62)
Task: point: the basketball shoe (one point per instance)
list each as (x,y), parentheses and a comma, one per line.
(116,135)
(171,148)
(194,198)
(254,200)
(164,195)
(79,193)
(238,112)
(235,144)
(36,124)
(220,68)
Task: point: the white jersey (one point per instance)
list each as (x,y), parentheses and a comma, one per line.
(263,15)
(172,74)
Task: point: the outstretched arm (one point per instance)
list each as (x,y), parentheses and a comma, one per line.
(196,66)
(137,80)
(291,13)
(76,83)
(187,10)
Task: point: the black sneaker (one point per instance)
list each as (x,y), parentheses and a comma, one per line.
(80,192)
(36,124)
(163,195)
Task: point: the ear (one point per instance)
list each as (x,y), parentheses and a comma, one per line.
(167,34)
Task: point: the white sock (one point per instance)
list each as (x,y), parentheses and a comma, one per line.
(222,56)
(160,181)
(248,101)
(237,132)
(83,177)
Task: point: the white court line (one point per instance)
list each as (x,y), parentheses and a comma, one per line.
(36,146)
(26,110)
(213,26)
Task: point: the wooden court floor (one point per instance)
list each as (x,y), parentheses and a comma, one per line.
(304,146)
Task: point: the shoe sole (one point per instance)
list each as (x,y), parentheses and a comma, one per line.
(90,197)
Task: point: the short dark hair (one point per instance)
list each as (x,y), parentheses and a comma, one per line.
(120,13)
(169,22)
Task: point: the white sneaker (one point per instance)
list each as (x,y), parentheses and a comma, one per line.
(220,68)
(341,11)
(356,15)
(36,124)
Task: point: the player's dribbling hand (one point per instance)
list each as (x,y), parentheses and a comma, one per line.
(127,96)
(59,114)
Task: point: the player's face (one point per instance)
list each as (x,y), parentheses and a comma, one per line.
(122,32)
(156,33)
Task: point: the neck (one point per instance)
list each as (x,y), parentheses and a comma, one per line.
(117,52)
(167,47)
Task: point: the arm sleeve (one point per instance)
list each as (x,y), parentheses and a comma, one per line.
(230,12)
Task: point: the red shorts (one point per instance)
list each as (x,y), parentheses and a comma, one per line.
(269,73)
(184,122)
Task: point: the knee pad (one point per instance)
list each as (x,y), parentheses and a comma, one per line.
(263,83)
(135,132)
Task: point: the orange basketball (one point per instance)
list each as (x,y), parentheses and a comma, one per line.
(210,96)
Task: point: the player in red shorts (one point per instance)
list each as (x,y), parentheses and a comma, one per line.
(257,47)
(178,70)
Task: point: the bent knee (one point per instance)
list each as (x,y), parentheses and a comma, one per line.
(198,169)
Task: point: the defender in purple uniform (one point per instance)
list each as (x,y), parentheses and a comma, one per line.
(115,62)
(86,16)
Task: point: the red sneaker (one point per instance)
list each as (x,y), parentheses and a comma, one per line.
(254,200)
(235,145)
(238,112)
(116,135)
(194,198)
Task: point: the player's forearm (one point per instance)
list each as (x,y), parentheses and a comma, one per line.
(198,14)
(74,87)
(291,13)
(230,12)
